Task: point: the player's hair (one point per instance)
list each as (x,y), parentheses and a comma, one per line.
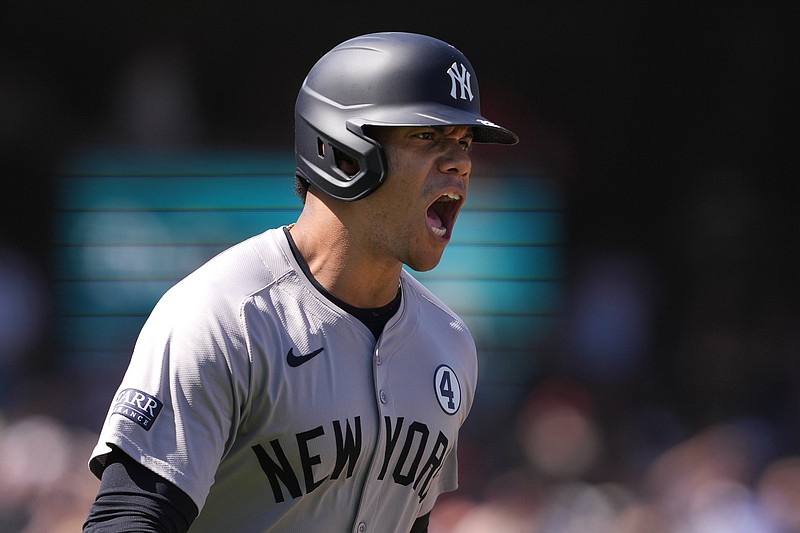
(301,186)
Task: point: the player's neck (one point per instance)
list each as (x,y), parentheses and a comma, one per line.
(339,263)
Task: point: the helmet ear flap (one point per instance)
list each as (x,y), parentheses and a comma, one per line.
(364,172)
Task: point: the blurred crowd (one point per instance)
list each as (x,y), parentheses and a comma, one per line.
(647,475)
(566,478)
(45,485)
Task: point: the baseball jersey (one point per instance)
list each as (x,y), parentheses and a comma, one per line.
(275,410)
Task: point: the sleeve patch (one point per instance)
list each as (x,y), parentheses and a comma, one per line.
(448,389)
(138,407)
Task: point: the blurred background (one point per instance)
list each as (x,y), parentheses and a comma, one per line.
(628,270)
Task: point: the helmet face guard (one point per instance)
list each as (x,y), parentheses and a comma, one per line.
(382,79)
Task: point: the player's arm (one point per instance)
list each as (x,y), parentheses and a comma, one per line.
(134,498)
(421,524)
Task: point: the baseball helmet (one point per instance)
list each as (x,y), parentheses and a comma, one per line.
(381,79)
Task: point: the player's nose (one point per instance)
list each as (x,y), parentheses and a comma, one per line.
(455,159)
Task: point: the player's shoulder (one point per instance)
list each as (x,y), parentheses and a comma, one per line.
(232,275)
(430,325)
(432,307)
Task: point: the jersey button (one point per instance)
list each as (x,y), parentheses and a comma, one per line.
(384,397)
(362,527)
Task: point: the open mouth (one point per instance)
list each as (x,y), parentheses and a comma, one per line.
(442,213)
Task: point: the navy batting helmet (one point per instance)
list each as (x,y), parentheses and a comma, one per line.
(381,79)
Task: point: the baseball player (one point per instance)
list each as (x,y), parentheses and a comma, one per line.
(302,380)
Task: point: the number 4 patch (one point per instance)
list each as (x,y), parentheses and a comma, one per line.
(448,389)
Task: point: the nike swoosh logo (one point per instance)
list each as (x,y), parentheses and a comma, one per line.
(297,360)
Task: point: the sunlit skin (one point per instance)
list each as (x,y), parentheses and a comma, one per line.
(357,249)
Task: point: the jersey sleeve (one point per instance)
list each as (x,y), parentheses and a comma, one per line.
(181,399)
(447,342)
(447,480)
(133,498)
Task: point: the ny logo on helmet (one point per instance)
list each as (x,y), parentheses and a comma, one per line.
(462,78)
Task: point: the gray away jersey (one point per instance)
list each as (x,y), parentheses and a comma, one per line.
(275,410)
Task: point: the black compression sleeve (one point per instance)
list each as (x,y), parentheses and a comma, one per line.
(421,524)
(133,498)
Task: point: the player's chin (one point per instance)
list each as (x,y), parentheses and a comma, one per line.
(423,262)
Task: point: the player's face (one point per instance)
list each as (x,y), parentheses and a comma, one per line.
(412,214)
